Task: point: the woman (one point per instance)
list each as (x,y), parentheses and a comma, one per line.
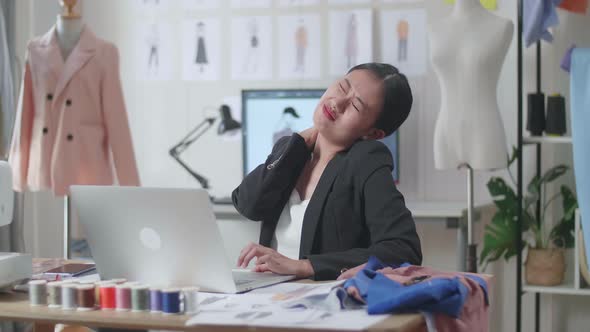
(326,196)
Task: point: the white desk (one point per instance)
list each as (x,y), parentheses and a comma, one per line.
(451,212)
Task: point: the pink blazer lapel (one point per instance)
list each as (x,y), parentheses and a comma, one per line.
(48,51)
(84,51)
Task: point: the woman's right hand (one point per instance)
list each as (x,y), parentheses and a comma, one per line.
(310,135)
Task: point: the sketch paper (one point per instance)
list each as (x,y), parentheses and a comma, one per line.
(404,40)
(299,47)
(351,40)
(154,52)
(251,56)
(201,50)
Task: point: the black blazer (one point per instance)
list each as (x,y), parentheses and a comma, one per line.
(355,211)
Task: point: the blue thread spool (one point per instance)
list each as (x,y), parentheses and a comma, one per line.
(171,301)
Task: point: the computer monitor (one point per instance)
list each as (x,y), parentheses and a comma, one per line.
(268,115)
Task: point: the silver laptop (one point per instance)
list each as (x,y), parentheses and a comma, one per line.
(163,237)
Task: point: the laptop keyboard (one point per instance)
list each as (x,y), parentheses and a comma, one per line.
(245,277)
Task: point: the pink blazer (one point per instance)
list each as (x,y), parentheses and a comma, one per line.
(71,125)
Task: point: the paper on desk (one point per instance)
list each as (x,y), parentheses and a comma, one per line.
(300,318)
(275,295)
(271,306)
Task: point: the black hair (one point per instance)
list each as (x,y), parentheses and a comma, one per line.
(397,95)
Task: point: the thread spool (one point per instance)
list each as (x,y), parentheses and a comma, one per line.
(556,120)
(54,294)
(140,298)
(107,296)
(86,298)
(171,301)
(68,296)
(190,297)
(123,297)
(97,285)
(536,113)
(155,300)
(37,292)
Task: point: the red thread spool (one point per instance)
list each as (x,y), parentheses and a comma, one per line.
(107,297)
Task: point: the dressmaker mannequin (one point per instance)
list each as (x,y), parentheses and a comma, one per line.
(68,27)
(467,50)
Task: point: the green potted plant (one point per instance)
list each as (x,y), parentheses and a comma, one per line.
(545,263)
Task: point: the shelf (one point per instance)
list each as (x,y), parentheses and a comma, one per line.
(420,209)
(547,139)
(567,288)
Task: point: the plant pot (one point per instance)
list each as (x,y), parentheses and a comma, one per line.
(545,267)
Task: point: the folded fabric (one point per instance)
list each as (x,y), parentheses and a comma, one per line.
(566,61)
(458,301)
(538,17)
(575,6)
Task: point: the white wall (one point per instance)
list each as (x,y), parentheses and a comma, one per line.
(160,113)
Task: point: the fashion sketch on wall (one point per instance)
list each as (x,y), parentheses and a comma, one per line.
(352,47)
(350,39)
(200,49)
(299,47)
(403,30)
(252,48)
(404,40)
(154,47)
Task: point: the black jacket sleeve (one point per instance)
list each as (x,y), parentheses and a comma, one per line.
(393,237)
(268,186)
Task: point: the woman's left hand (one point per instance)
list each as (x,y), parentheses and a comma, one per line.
(268,259)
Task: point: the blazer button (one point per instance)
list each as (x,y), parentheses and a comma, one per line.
(70,137)
(49,96)
(45,130)
(69,102)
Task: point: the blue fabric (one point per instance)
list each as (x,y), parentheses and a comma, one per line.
(383,295)
(580,108)
(538,17)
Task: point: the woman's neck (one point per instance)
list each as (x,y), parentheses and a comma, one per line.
(324,150)
(467,7)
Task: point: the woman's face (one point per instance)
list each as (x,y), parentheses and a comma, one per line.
(349,108)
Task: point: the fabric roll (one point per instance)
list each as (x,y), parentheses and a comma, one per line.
(580,108)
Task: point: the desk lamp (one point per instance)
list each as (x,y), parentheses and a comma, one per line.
(227,124)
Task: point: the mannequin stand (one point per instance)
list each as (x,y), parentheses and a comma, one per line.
(67,227)
(471,258)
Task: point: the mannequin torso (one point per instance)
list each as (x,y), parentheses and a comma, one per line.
(68,34)
(467,50)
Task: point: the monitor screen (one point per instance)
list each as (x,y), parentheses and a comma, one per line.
(268,115)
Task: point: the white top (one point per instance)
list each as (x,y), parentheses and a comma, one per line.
(287,238)
(467,52)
